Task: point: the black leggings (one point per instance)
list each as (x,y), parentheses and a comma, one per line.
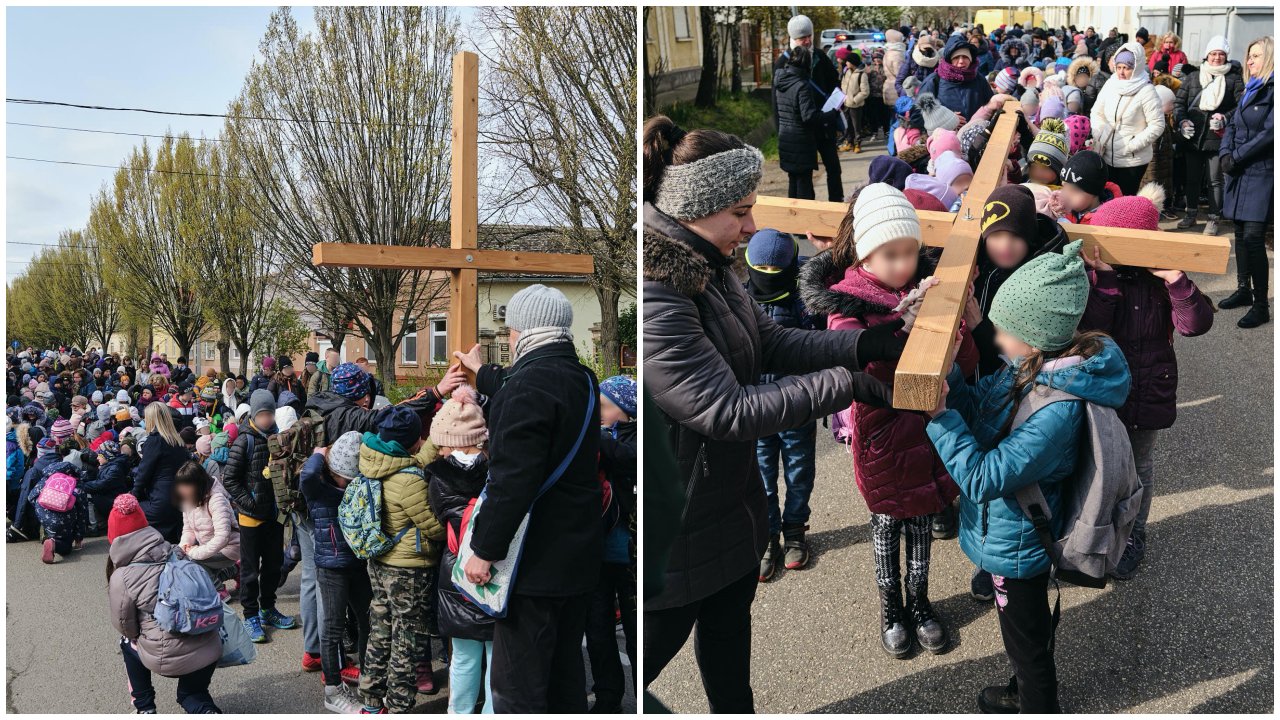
(1251,258)
(1203,166)
(830,162)
(1026,626)
(722,643)
(1129,179)
(800,185)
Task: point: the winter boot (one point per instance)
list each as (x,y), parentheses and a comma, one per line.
(894,637)
(771,561)
(944,523)
(1000,698)
(930,631)
(1188,221)
(1259,314)
(797,549)
(1211,227)
(1242,297)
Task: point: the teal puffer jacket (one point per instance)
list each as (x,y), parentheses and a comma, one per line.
(993,531)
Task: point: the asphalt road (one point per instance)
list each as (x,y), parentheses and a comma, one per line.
(62,655)
(1193,632)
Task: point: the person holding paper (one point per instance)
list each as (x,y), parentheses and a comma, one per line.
(798,117)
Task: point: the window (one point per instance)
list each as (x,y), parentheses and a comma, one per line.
(681,15)
(439,341)
(410,347)
(208,350)
(235,353)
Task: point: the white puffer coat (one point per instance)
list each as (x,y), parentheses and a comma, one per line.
(1126,127)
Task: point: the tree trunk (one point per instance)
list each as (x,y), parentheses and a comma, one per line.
(735,85)
(151,342)
(610,344)
(243,349)
(224,356)
(707,81)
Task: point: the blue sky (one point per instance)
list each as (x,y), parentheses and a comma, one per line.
(189,59)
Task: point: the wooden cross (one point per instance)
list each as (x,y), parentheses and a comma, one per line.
(461,259)
(918,381)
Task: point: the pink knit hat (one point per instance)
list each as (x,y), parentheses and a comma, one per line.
(1136,212)
(1079,129)
(60,430)
(940,141)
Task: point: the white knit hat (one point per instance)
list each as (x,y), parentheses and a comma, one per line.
(799,26)
(881,215)
(1217,42)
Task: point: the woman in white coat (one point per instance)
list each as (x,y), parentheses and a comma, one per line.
(1127,119)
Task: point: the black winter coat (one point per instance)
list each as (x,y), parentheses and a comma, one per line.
(451,489)
(798,115)
(1186,106)
(251,492)
(618,461)
(109,481)
(153,485)
(705,345)
(323,497)
(1250,139)
(535,415)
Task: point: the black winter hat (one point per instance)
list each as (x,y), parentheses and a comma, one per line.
(401,425)
(1086,171)
(312,357)
(283,362)
(1011,208)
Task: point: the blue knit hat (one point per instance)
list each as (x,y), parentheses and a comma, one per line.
(349,381)
(400,424)
(621,391)
(773,248)
(889,169)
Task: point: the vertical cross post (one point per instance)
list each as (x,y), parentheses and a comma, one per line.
(464,215)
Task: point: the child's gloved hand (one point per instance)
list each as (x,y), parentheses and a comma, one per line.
(910,305)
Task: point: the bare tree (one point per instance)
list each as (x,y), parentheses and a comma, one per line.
(567,120)
(356,150)
(98,308)
(708,81)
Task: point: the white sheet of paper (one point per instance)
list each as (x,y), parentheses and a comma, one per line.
(835,102)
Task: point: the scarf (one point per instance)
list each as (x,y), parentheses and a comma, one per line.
(534,338)
(1251,88)
(895,46)
(951,73)
(386,447)
(1213,85)
(772,286)
(923,61)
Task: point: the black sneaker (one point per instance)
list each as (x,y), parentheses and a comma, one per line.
(1187,222)
(981,587)
(1000,699)
(772,560)
(1134,550)
(944,523)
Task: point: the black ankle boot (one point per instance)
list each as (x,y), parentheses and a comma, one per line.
(894,637)
(1259,314)
(1242,297)
(1000,699)
(930,631)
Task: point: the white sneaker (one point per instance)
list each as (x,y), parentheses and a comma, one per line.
(337,698)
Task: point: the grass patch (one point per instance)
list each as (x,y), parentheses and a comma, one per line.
(769,148)
(738,115)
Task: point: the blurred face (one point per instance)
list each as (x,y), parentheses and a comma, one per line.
(1005,249)
(894,263)
(186,494)
(727,228)
(264,419)
(1010,346)
(1124,72)
(961,184)
(610,414)
(287,371)
(1255,61)
(1041,174)
(363,365)
(1080,80)
(239,383)
(1014,51)
(331,358)
(1073,198)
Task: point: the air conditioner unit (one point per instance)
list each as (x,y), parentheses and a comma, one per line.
(499,312)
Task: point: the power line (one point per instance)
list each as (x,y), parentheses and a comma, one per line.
(112,132)
(117,167)
(265,118)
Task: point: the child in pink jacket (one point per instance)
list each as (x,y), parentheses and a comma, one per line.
(210,534)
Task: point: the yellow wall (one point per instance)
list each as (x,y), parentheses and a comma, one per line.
(661,41)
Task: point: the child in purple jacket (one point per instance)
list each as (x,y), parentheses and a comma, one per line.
(1141,309)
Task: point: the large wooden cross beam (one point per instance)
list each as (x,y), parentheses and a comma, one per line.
(461,259)
(930,347)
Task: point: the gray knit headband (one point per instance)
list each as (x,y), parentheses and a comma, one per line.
(707,186)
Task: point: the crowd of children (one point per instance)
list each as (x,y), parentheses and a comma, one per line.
(372,614)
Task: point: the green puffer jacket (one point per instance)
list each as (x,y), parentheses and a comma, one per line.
(404,502)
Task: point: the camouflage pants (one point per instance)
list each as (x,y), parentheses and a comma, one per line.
(397,628)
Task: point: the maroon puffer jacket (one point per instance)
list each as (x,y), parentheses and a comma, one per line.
(894,463)
(1141,312)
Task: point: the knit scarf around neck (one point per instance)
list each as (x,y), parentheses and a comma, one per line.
(1252,87)
(534,338)
(921,60)
(951,73)
(895,46)
(1213,85)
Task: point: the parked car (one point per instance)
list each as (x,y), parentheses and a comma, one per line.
(831,36)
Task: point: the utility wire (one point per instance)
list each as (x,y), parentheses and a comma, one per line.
(113,132)
(265,118)
(131,169)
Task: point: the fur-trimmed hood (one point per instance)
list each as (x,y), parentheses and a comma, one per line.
(1082,62)
(826,288)
(1023,50)
(669,258)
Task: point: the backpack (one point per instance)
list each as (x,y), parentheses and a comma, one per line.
(360,517)
(58,493)
(187,603)
(289,452)
(1099,501)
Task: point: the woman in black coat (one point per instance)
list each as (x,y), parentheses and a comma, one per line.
(798,116)
(1247,163)
(1218,78)
(162,454)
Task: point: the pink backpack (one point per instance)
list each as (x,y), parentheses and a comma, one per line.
(58,493)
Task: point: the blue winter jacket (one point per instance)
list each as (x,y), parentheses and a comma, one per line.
(15,461)
(323,497)
(994,533)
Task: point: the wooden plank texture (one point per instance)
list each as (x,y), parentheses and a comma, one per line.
(464,219)
(917,383)
(426,258)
